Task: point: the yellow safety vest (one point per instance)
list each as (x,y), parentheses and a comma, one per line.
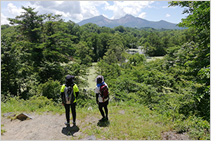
(75,89)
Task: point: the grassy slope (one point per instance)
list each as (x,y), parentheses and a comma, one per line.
(127,122)
(91,77)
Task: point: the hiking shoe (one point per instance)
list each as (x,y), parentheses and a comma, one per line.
(74,123)
(102,119)
(106,119)
(67,124)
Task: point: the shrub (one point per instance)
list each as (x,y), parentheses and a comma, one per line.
(51,90)
(196,127)
(86,98)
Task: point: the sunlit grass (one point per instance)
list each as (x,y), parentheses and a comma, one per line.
(91,77)
(125,123)
(127,120)
(35,104)
(154,58)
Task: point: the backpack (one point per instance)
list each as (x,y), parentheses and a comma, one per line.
(104,91)
(68,92)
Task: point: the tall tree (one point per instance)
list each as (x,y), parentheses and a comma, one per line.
(199,19)
(29,24)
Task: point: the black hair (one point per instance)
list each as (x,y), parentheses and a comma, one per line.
(99,79)
(69,80)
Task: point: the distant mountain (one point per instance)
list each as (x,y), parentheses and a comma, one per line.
(129,21)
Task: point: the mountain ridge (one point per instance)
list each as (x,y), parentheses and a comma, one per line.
(129,21)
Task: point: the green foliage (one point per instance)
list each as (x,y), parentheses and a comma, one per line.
(51,70)
(109,71)
(199,19)
(86,99)
(84,53)
(136,59)
(196,127)
(155,42)
(51,90)
(29,23)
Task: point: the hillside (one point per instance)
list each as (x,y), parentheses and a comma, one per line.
(122,125)
(129,21)
(127,121)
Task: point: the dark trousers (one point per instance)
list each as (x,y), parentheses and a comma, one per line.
(67,111)
(101,106)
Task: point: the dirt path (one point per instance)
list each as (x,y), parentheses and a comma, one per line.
(41,127)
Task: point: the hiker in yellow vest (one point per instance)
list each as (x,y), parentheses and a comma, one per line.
(69,94)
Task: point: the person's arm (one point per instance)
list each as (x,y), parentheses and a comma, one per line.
(62,94)
(76,91)
(62,98)
(77,94)
(97,98)
(96,94)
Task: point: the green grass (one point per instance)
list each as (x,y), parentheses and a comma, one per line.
(2,131)
(154,58)
(126,122)
(91,77)
(35,104)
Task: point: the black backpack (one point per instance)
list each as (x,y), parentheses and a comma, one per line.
(68,92)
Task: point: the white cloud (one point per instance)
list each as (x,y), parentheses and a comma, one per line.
(13,10)
(79,10)
(142,15)
(4,19)
(74,10)
(168,15)
(121,8)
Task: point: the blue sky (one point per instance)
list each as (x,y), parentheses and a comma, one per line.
(80,10)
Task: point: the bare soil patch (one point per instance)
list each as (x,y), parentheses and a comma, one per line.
(42,127)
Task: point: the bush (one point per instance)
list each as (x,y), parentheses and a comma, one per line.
(38,102)
(86,98)
(51,90)
(196,127)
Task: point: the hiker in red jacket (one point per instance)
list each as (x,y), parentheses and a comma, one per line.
(102,97)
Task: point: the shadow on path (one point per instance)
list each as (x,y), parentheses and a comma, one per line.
(69,131)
